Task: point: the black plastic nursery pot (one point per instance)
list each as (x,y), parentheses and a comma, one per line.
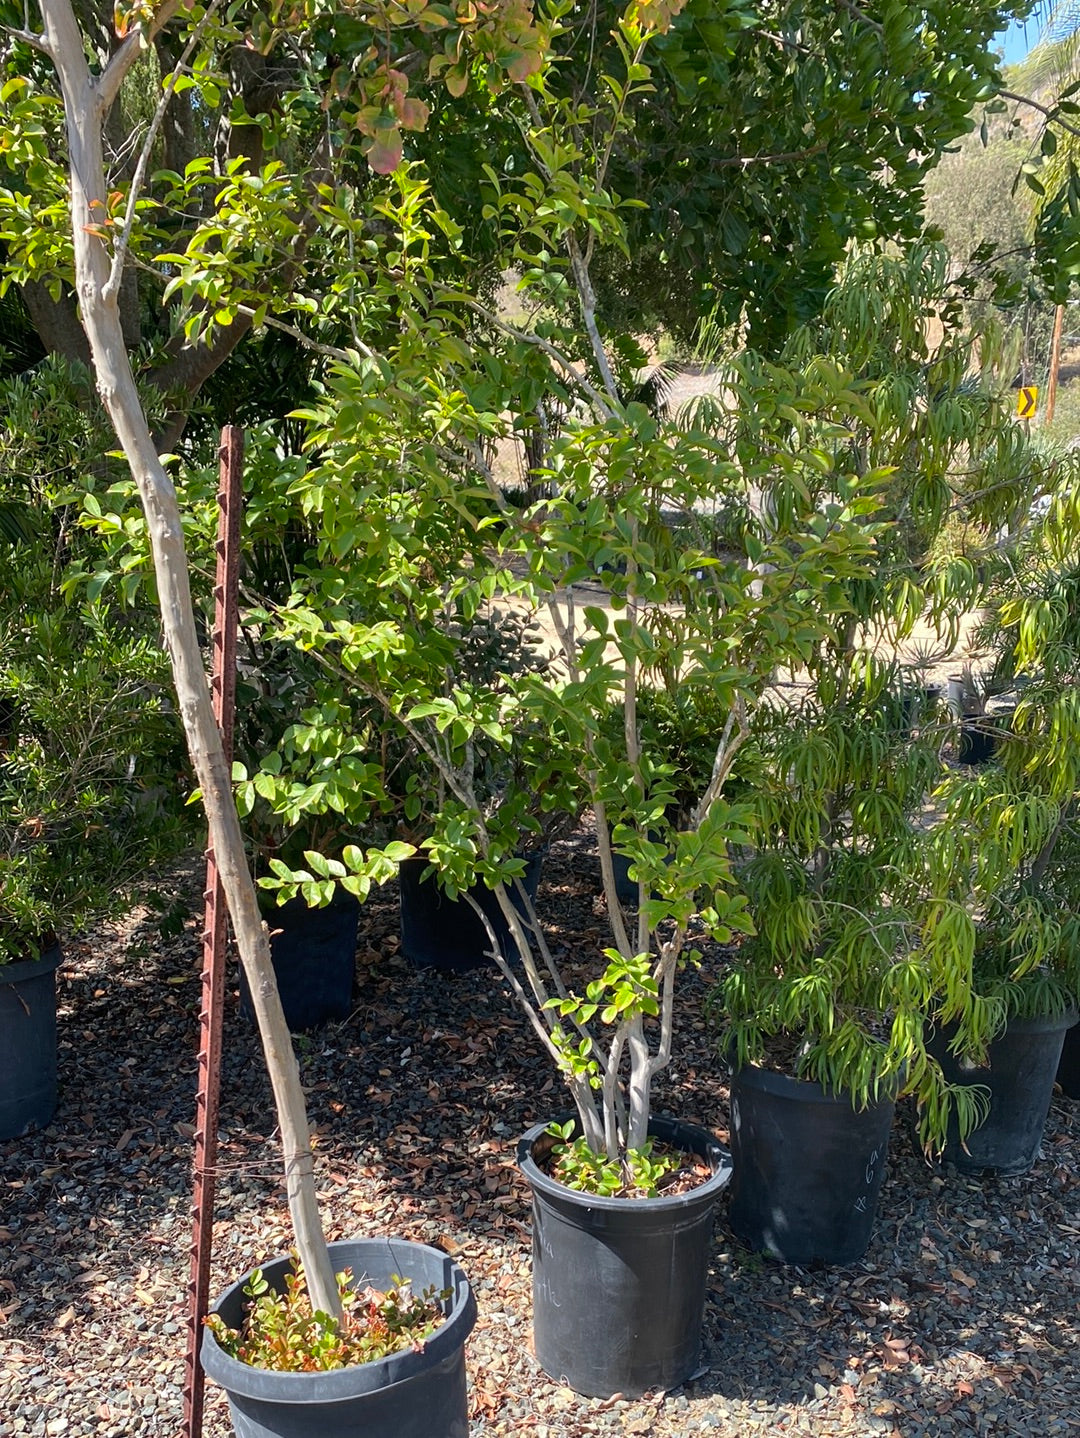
(627,890)
(1068,1069)
(314,956)
(447,934)
(911,707)
(1020,1076)
(807,1168)
(28,1043)
(407,1395)
(619,1283)
(982,737)
(977,743)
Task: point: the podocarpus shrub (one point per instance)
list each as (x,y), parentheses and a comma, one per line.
(858,949)
(93,775)
(1005,850)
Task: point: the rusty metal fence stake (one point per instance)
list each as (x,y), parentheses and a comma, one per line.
(223,689)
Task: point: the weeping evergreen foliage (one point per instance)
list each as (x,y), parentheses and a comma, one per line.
(1008,846)
(872,861)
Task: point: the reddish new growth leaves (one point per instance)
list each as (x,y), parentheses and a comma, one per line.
(389,111)
(498,37)
(283,1333)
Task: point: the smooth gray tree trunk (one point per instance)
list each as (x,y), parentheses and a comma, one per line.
(86,103)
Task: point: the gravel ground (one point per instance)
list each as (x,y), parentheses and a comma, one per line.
(960,1320)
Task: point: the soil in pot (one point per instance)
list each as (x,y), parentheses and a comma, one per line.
(314,957)
(447,934)
(807,1168)
(1020,1076)
(410,1394)
(28,1043)
(619,1283)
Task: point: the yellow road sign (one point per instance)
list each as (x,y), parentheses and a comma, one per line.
(1027,401)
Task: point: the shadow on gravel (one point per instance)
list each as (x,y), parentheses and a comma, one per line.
(953,1322)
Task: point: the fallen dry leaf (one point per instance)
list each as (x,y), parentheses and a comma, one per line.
(962,1277)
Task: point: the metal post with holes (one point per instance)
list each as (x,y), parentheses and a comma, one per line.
(223,689)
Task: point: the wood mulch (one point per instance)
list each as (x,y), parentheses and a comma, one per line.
(962,1318)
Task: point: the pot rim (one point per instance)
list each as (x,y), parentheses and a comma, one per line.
(699,1140)
(1042,1023)
(1047,1023)
(245,1380)
(20,969)
(783,1085)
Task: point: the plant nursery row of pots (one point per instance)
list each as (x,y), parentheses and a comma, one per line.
(618,1283)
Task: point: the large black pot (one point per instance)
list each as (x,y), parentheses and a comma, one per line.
(1020,1076)
(28,1043)
(408,1395)
(314,957)
(619,1283)
(1068,1070)
(807,1168)
(627,890)
(438,932)
(911,708)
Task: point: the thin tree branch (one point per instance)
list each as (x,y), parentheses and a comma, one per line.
(605,160)
(116,270)
(315,346)
(860,15)
(556,356)
(36,42)
(672,949)
(725,757)
(1048,111)
(612,1136)
(112,77)
(587,300)
(637,1130)
(780,157)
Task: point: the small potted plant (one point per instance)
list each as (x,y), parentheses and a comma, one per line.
(441,928)
(338,773)
(91,798)
(1026,970)
(392,1365)
(308,787)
